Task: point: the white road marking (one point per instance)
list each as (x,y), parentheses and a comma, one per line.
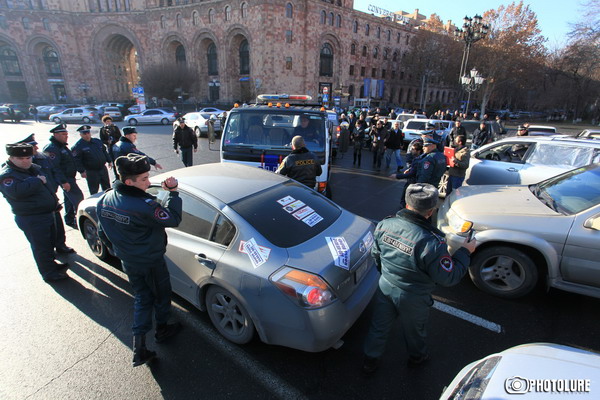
(467,317)
(277,387)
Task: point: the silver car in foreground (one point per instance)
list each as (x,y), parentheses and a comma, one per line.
(525,234)
(536,370)
(263,254)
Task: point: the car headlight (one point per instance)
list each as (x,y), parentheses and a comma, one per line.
(457,223)
(305,289)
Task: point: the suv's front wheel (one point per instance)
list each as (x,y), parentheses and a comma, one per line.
(504,272)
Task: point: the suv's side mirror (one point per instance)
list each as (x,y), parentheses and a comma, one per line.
(592,223)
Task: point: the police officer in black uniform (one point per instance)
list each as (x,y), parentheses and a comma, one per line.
(91,158)
(51,173)
(133,223)
(185,139)
(126,145)
(34,203)
(301,165)
(61,156)
(109,135)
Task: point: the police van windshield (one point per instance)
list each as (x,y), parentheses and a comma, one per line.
(274,129)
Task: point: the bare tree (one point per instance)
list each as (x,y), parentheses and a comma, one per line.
(169,80)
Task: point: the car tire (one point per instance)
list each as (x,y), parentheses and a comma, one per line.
(198,132)
(133,121)
(90,233)
(328,193)
(229,316)
(443,185)
(56,120)
(86,120)
(503,272)
(164,121)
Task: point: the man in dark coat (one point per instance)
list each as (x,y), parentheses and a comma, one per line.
(109,135)
(126,145)
(185,140)
(91,157)
(301,165)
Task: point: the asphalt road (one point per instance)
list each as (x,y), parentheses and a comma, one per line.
(72,340)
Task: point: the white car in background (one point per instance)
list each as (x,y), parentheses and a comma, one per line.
(542,130)
(151,116)
(211,110)
(199,123)
(414,128)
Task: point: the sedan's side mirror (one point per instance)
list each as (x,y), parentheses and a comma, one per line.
(592,223)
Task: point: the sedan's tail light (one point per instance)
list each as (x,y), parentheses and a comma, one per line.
(306,289)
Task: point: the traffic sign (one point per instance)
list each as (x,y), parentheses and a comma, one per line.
(325,98)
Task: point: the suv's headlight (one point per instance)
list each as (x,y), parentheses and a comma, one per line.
(457,223)
(306,289)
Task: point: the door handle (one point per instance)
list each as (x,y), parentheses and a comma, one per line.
(511,169)
(201,258)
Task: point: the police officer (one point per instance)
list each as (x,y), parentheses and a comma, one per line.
(413,258)
(133,223)
(91,158)
(301,165)
(109,135)
(62,157)
(185,139)
(126,145)
(34,203)
(51,173)
(432,165)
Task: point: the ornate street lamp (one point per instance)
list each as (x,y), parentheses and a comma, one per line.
(470,84)
(472,31)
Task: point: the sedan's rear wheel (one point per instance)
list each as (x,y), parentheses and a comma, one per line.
(90,231)
(86,120)
(56,120)
(229,316)
(504,272)
(133,121)
(198,132)
(164,121)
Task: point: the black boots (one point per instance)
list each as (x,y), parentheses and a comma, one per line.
(141,355)
(166,331)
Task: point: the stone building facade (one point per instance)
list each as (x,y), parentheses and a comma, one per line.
(74,50)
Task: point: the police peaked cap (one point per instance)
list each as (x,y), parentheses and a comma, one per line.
(422,196)
(19,150)
(84,128)
(180,119)
(132,164)
(29,140)
(129,129)
(59,128)
(429,140)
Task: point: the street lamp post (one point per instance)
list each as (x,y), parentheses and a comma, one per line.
(470,84)
(473,30)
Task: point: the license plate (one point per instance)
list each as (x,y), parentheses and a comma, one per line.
(360,271)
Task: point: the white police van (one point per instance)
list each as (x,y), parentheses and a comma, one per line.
(260,134)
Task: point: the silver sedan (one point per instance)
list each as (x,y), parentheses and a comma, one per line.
(150,116)
(263,254)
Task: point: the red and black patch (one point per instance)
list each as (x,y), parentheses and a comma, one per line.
(447,264)
(161,214)
(8,182)
(426,164)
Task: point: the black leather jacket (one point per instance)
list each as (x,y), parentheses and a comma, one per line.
(301,165)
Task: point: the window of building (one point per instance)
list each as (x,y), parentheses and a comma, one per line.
(211,16)
(352,49)
(227,13)
(389,35)
(375,52)
(351,90)
(331,18)
(26,23)
(398,37)
(378,33)
(10,62)
(195,18)
(3,23)
(179,21)
(51,63)
(338,21)
(383,71)
(163,22)
(288,36)
(373,72)
(400,93)
(289,10)
(385,54)
(351,72)
(180,54)
(46,24)
(288,63)
(401,74)
(326,61)
(244,58)
(393,74)
(355,26)
(395,56)
(244,10)
(323,17)
(211,55)
(407,39)
(367,29)
(362,71)
(364,51)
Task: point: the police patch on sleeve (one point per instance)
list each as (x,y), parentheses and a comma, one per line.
(8,182)
(426,164)
(51,155)
(447,264)
(161,214)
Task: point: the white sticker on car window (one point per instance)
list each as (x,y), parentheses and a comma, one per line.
(303,212)
(312,219)
(296,205)
(257,255)
(286,200)
(340,251)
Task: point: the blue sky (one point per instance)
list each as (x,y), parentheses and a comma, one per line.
(553,16)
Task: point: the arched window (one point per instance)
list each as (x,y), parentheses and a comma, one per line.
(227,13)
(355,26)
(389,35)
(51,62)
(385,54)
(179,21)
(163,22)
(180,54)
(378,34)
(46,24)
(244,10)
(195,18)
(331,18)
(211,55)
(244,58)
(375,52)
(364,51)
(26,23)
(289,10)
(211,16)
(395,56)
(398,37)
(323,17)
(351,90)
(326,62)
(352,49)
(10,62)
(400,93)
(338,21)
(367,29)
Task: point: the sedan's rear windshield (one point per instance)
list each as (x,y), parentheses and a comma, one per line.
(288,214)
